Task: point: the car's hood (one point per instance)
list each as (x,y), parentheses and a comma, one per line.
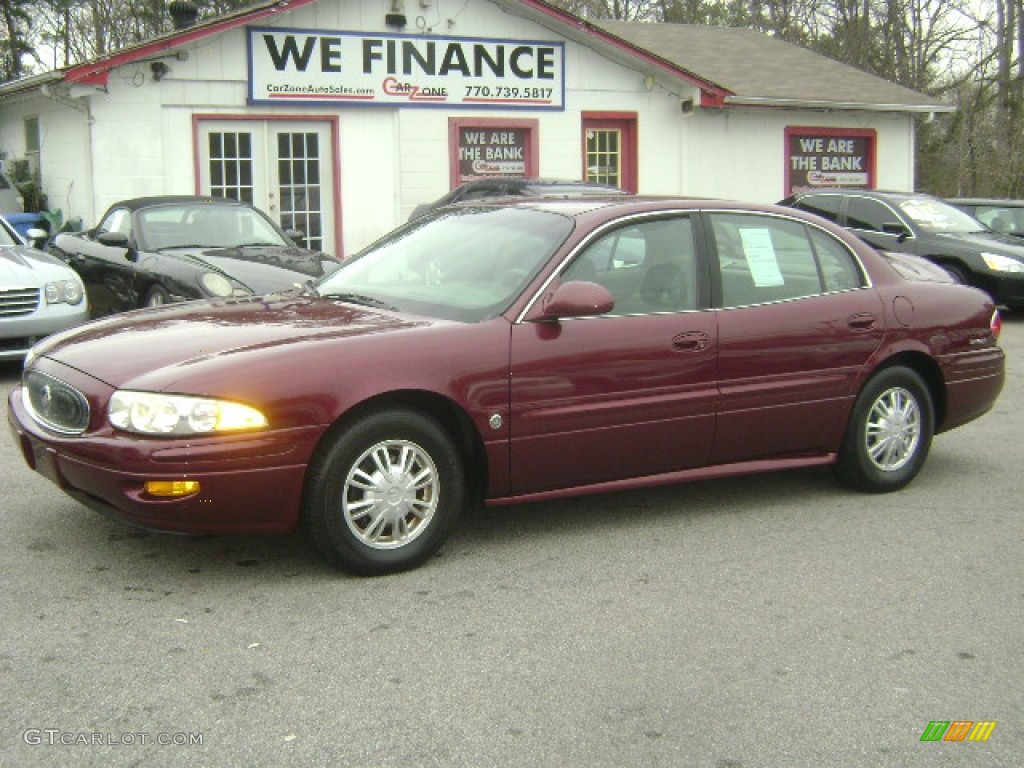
(917,268)
(172,340)
(260,268)
(992,242)
(23,267)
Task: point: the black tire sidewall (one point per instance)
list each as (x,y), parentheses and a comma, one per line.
(854,465)
(322,517)
(153,291)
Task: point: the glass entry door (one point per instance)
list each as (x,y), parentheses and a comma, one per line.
(282,167)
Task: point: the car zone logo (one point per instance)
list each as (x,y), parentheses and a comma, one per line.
(958,730)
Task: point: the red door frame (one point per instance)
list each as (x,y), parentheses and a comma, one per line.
(626,122)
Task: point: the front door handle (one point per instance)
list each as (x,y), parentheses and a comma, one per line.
(691,341)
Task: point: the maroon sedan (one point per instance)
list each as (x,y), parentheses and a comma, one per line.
(508,353)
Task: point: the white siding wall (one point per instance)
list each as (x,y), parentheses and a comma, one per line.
(740,153)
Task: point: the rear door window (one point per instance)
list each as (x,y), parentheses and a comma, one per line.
(763,259)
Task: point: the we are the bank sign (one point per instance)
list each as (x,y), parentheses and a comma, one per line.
(315,67)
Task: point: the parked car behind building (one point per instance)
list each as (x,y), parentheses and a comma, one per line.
(156,250)
(39,295)
(1006,216)
(926,226)
(503,186)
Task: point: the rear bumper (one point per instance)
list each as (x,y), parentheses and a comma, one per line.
(248,483)
(1007,289)
(973,383)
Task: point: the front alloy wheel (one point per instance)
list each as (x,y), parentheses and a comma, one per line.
(390,494)
(383,492)
(890,432)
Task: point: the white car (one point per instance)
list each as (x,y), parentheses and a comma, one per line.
(39,295)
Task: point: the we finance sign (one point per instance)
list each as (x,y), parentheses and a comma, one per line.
(316,67)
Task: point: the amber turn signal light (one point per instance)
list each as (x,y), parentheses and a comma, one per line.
(172,487)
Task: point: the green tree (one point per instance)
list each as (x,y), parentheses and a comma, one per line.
(14,42)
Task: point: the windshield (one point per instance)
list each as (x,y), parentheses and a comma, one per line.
(6,238)
(937,216)
(465,264)
(210,225)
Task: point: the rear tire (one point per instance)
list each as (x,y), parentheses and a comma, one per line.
(957,273)
(383,494)
(889,434)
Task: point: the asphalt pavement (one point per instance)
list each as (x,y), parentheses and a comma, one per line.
(778,620)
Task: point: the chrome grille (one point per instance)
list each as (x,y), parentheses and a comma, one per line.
(55,404)
(19,301)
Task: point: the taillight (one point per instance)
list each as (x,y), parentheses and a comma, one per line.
(996,324)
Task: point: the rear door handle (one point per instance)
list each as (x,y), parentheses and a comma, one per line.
(862,321)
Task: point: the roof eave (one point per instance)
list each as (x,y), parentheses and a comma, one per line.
(30,83)
(824,104)
(97,71)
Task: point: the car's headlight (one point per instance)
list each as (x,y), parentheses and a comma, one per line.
(999,263)
(153,413)
(216,284)
(63,292)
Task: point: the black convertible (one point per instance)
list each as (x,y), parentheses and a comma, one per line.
(155,250)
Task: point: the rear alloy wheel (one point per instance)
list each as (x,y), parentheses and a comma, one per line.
(889,434)
(385,494)
(157,296)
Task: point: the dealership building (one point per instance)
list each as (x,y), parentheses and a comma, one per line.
(340,118)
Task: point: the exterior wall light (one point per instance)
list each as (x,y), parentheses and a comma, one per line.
(159,69)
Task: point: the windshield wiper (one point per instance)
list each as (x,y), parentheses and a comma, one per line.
(359,298)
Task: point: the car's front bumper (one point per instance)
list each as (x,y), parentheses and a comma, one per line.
(1006,288)
(19,334)
(248,483)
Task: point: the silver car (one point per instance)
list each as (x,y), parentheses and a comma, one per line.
(39,295)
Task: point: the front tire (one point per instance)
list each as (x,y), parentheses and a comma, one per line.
(384,493)
(157,297)
(889,434)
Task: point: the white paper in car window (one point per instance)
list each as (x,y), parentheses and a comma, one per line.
(760,255)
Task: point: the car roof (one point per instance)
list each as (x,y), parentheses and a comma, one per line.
(540,183)
(986,201)
(136,203)
(881,194)
(575,205)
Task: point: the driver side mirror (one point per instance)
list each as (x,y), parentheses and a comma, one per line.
(578,298)
(37,237)
(117,240)
(896,228)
